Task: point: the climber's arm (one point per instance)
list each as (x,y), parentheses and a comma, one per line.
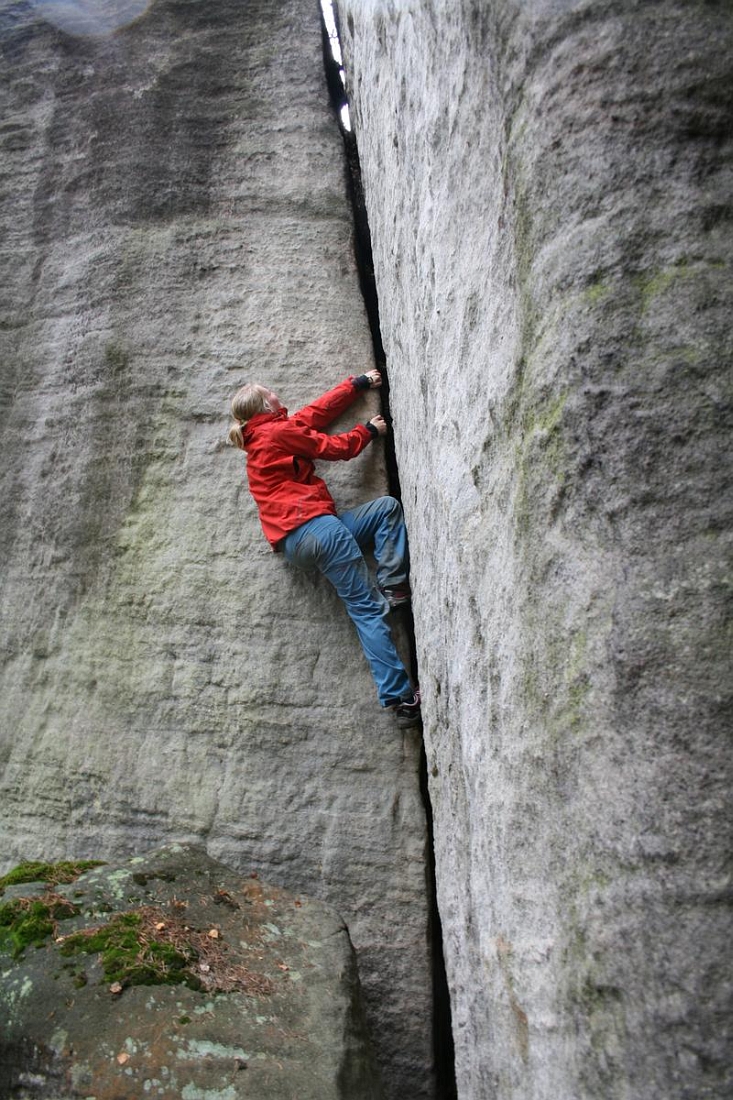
(300,440)
(326,408)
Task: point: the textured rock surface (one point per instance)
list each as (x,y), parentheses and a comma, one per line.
(549,190)
(295,1027)
(174,221)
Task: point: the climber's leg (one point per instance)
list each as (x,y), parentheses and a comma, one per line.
(381,523)
(324,542)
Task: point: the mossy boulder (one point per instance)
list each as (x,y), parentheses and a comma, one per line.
(171,976)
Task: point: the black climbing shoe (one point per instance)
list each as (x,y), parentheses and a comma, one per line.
(397,595)
(407,712)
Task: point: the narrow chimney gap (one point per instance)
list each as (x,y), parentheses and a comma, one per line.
(443,1051)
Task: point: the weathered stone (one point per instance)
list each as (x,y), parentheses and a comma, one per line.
(549,190)
(279,1014)
(174,221)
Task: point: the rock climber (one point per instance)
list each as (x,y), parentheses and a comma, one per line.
(298,517)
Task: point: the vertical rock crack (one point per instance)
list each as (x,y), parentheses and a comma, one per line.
(443,1052)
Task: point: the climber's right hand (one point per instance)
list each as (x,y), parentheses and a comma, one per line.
(379,423)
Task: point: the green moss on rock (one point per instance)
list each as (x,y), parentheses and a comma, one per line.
(52,874)
(131,957)
(28,922)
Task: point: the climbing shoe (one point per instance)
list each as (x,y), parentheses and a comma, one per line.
(407,711)
(397,595)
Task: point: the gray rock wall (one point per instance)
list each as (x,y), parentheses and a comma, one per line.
(173,222)
(549,191)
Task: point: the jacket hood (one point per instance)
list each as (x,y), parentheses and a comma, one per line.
(260,418)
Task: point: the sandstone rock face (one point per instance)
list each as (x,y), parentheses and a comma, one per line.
(175,222)
(549,191)
(278,1013)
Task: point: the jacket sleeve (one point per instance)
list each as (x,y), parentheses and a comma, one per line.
(299,440)
(327,407)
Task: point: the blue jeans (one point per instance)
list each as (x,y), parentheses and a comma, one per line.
(333,545)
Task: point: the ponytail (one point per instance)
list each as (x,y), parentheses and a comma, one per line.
(248,401)
(236,436)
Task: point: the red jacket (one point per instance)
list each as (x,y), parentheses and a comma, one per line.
(280,453)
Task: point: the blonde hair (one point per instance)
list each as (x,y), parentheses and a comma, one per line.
(251,399)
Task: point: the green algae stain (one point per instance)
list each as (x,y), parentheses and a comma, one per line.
(10,995)
(596,293)
(577,683)
(556,681)
(652,284)
(118,883)
(540,455)
(204,1048)
(565,666)
(193,1092)
(59,1040)
(547,417)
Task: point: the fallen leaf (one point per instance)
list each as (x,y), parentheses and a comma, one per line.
(116,987)
(122,1058)
(214,934)
(221,897)
(283,966)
